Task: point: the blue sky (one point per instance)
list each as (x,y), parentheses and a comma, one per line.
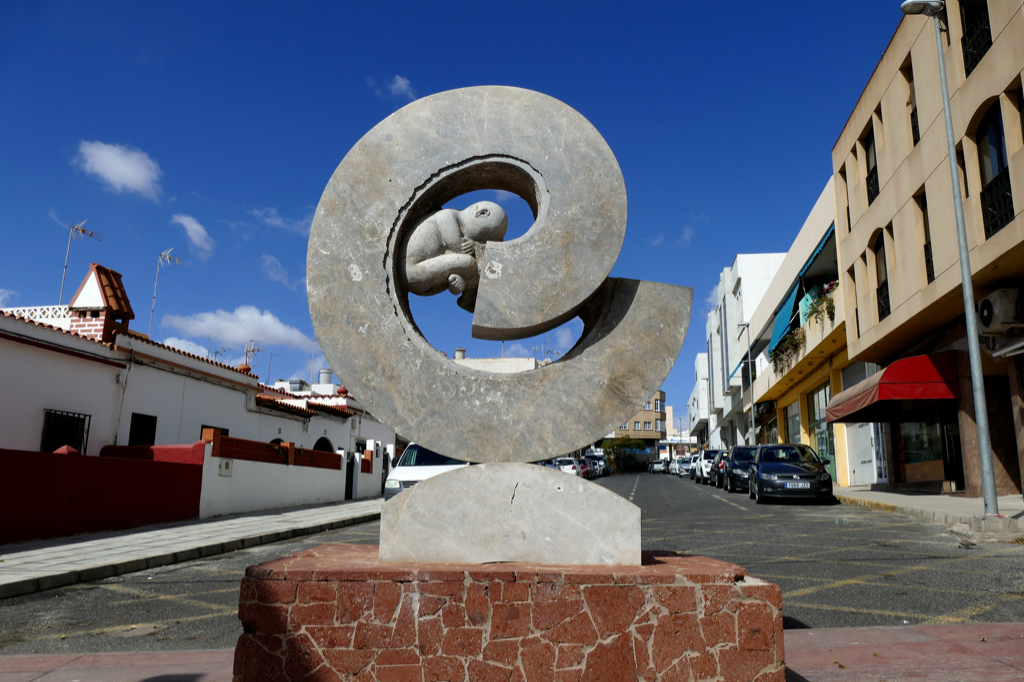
(212,129)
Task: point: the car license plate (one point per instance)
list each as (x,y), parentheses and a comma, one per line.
(798,484)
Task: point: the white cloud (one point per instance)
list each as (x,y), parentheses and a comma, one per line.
(501,196)
(246,323)
(564,338)
(517,350)
(201,242)
(400,87)
(687,235)
(7,295)
(271,217)
(657,240)
(187,346)
(711,302)
(124,169)
(699,217)
(276,272)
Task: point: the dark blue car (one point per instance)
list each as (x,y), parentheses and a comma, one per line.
(787,470)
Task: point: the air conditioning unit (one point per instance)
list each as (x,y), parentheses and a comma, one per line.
(1000,311)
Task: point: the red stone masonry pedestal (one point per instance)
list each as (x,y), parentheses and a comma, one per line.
(334,613)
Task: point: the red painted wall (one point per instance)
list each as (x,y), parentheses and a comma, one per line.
(46,495)
(182,454)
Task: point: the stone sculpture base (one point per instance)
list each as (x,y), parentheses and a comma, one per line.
(335,613)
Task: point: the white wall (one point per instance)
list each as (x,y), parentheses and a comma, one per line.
(254,486)
(35,379)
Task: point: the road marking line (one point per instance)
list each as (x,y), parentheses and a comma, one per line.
(850,609)
(972,611)
(162,597)
(633,491)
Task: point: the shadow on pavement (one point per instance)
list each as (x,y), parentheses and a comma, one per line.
(792,676)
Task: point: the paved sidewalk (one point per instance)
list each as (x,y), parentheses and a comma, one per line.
(942,509)
(992,652)
(42,565)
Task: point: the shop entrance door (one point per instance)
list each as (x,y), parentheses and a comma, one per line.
(821,430)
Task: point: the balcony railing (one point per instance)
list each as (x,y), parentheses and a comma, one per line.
(914,129)
(976,41)
(928,267)
(997,203)
(872,184)
(883,300)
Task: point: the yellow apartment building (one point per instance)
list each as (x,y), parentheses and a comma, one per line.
(897,248)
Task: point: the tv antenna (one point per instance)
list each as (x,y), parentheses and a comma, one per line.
(251,349)
(164,258)
(75,232)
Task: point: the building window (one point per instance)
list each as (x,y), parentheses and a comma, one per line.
(908,75)
(922,207)
(659,425)
(977,37)
(793,423)
(636,426)
(625,427)
(659,405)
(223,432)
(142,430)
(962,168)
(647,426)
(871,161)
(882,277)
(65,428)
(647,405)
(996,198)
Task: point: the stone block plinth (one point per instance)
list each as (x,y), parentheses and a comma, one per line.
(334,613)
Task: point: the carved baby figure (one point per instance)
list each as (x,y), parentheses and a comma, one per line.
(441,251)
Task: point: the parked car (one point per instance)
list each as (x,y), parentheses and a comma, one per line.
(683,467)
(717,467)
(600,466)
(673,467)
(789,470)
(586,468)
(704,465)
(658,466)
(736,472)
(568,465)
(417,464)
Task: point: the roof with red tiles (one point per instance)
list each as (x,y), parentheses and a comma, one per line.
(191,355)
(115,298)
(276,404)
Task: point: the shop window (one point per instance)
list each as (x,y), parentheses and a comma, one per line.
(996,197)
(871,164)
(977,36)
(142,430)
(793,423)
(65,428)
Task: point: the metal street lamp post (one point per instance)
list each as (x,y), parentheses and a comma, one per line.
(932,8)
(750,373)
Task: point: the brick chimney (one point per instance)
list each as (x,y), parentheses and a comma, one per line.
(100,308)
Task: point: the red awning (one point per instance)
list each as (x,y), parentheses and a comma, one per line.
(921,377)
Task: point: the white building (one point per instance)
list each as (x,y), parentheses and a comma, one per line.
(740,288)
(94,383)
(697,405)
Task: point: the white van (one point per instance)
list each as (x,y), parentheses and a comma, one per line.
(417,464)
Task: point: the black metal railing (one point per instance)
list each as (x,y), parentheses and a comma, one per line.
(997,203)
(976,41)
(872,184)
(883,300)
(914,129)
(928,267)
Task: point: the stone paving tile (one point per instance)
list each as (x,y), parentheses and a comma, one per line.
(28,567)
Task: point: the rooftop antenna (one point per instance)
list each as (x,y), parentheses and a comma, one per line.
(271,364)
(164,258)
(251,349)
(76,232)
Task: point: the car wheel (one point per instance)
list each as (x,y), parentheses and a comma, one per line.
(750,489)
(757,495)
(728,484)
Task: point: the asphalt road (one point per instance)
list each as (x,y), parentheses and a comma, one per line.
(838,566)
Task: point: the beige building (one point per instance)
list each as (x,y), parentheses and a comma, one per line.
(648,425)
(898,256)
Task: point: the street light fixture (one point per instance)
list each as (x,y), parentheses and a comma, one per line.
(932,8)
(750,373)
